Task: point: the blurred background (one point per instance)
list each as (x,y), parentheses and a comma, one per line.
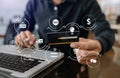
(11,9)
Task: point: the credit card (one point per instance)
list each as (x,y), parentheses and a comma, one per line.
(57,38)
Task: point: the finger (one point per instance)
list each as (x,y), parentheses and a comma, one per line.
(81,60)
(83,55)
(90,44)
(80,45)
(95,44)
(87,44)
(83,39)
(84,43)
(24,37)
(87,59)
(30,37)
(77,44)
(16,42)
(19,40)
(80,52)
(84,60)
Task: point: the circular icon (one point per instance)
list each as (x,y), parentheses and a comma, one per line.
(12,43)
(17,47)
(41,42)
(55,23)
(51,55)
(23,24)
(73,29)
(93,60)
(88,22)
(72,56)
(26,54)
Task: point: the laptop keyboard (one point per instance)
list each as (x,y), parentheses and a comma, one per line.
(15,62)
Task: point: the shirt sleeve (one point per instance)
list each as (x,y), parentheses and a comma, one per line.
(29,14)
(102,31)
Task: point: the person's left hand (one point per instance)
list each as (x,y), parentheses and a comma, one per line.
(86,47)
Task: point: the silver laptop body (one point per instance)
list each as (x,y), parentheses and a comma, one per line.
(49,58)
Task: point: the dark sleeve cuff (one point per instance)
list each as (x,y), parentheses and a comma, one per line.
(104,45)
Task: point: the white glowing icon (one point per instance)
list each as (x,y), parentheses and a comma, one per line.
(54,54)
(55,22)
(55,8)
(72,29)
(22,25)
(88,21)
(39,41)
(93,61)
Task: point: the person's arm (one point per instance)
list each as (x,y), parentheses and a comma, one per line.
(25,37)
(104,36)
(29,14)
(103,32)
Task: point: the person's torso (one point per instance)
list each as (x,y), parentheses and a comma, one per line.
(68,12)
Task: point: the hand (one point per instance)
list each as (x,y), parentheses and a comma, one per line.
(86,47)
(25,38)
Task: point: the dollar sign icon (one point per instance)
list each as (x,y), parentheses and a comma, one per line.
(88,21)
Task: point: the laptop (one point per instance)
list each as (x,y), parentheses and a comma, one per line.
(26,63)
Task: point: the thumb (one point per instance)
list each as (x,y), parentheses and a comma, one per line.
(81,45)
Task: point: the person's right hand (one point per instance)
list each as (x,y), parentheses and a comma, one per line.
(25,39)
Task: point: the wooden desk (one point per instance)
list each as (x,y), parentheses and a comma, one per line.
(107,69)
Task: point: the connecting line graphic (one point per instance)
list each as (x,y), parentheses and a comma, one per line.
(24,51)
(88,23)
(28,52)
